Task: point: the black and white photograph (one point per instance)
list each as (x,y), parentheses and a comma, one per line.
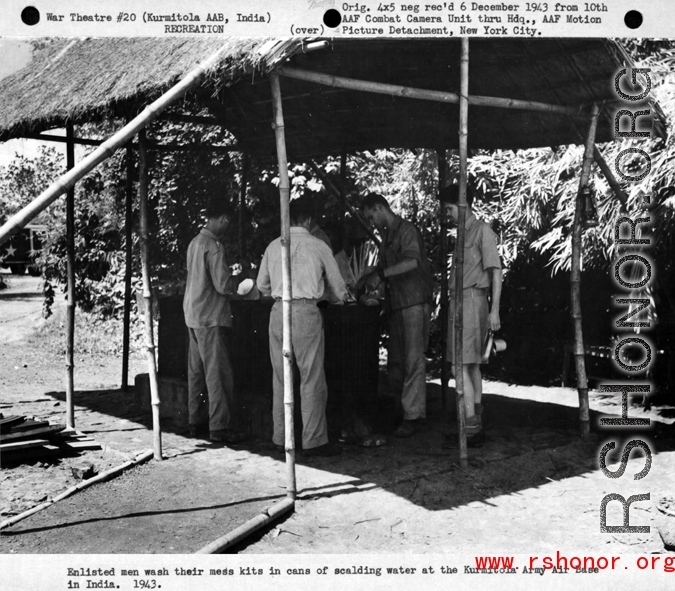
(386,299)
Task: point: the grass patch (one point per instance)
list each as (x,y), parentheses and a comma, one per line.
(93,335)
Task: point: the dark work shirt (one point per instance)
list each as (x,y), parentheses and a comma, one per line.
(404,241)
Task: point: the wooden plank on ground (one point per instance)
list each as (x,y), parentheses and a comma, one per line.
(8,447)
(81,445)
(30,424)
(32,433)
(7,422)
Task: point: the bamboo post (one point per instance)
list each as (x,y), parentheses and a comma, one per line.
(108,148)
(287,296)
(70,307)
(458,261)
(443,316)
(128,254)
(575,280)
(611,179)
(333,189)
(604,167)
(147,293)
(242,202)
(428,95)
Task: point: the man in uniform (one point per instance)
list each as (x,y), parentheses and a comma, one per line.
(209,321)
(314,276)
(482,276)
(403,264)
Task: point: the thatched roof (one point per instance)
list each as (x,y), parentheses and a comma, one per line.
(85,79)
(79,80)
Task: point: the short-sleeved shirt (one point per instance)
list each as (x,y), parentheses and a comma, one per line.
(480,254)
(314,272)
(205,303)
(404,241)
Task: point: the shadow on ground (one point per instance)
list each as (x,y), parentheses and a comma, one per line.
(528,444)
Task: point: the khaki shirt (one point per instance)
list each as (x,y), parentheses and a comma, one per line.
(480,254)
(313,269)
(402,241)
(205,303)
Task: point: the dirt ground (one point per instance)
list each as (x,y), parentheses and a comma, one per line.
(533,486)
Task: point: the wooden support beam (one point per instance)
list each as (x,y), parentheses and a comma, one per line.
(335,191)
(428,95)
(242,201)
(458,260)
(443,263)
(575,280)
(128,265)
(287,296)
(147,294)
(611,179)
(70,272)
(343,195)
(108,148)
(44,137)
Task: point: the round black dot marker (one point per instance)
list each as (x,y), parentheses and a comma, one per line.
(332,18)
(30,16)
(633,19)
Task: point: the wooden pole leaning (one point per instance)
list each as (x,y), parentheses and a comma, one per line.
(575,280)
(458,261)
(443,316)
(107,148)
(147,294)
(611,179)
(333,189)
(287,295)
(70,306)
(128,270)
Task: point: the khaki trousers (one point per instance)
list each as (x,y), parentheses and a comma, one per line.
(406,360)
(210,378)
(308,351)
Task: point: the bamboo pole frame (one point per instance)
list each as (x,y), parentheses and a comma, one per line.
(46,137)
(147,295)
(428,95)
(107,148)
(333,189)
(343,194)
(70,272)
(458,261)
(287,295)
(242,201)
(609,176)
(79,486)
(443,316)
(128,264)
(237,535)
(575,280)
